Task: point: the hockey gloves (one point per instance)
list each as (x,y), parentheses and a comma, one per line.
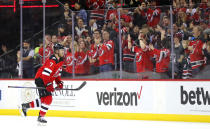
(59,85)
(50,87)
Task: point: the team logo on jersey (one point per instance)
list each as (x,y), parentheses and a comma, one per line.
(47,53)
(58,72)
(69,61)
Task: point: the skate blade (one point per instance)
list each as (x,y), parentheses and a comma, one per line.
(21,112)
(41,124)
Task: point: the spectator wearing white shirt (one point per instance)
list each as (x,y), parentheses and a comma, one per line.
(81,29)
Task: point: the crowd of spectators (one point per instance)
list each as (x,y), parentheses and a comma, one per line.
(143,29)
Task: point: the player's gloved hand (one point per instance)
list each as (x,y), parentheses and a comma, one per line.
(50,88)
(59,85)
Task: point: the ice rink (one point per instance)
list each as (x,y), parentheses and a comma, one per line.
(13,122)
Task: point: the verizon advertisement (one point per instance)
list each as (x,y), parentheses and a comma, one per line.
(118,98)
(114,96)
(157,97)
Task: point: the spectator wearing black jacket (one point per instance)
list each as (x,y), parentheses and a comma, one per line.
(206,51)
(7,63)
(139,19)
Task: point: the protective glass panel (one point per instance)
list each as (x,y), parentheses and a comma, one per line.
(146,42)
(191,40)
(116,41)
(9,35)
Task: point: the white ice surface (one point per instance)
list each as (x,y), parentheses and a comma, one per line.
(17,122)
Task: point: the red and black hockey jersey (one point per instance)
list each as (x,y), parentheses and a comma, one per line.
(82,63)
(69,62)
(48,52)
(153,16)
(197,58)
(106,53)
(128,55)
(143,62)
(50,71)
(92,53)
(95,4)
(162,59)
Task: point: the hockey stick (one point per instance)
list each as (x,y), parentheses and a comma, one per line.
(78,88)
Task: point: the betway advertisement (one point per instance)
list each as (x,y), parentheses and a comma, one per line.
(189,97)
(158,97)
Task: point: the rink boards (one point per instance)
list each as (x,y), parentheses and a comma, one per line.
(116,99)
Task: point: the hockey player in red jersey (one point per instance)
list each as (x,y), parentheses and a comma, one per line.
(49,72)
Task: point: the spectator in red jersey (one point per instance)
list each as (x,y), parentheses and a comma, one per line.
(96,4)
(196,55)
(124,14)
(111,13)
(48,48)
(97,11)
(162,57)
(142,53)
(69,60)
(82,63)
(128,55)
(67,40)
(106,53)
(153,14)
(93,54)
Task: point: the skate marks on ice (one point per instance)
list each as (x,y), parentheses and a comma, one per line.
(30,122)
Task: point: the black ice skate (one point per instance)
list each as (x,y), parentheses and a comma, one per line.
(41,120)
(25,107)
